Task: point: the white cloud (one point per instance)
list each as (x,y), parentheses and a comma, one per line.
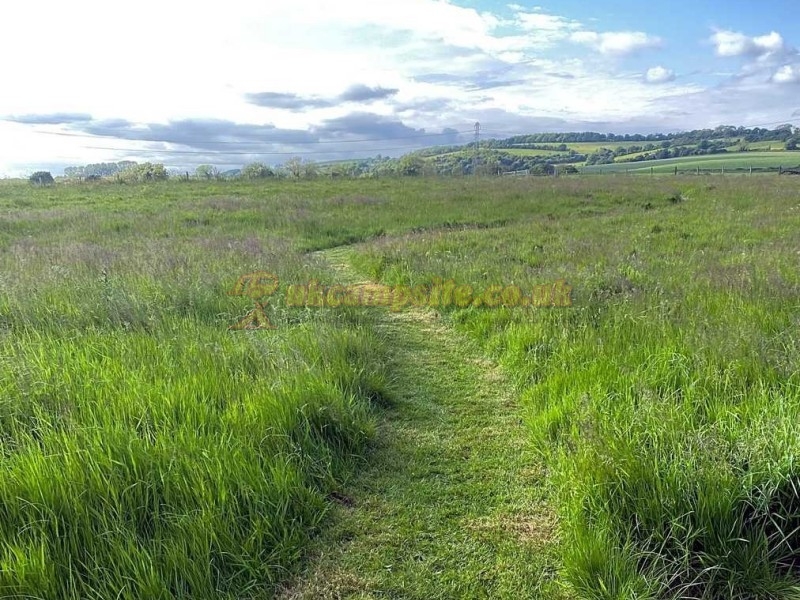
(545,22)
(659,74)
(617,43)
(767,59)
(547,29)
(787,74)
(733,43)
(543,30)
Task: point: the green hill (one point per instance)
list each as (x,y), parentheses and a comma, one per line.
(730,161)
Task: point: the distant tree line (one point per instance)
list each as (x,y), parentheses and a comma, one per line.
(41,178)
(492,157)
(126,171)
(653,152)
(749,135)
(98,170)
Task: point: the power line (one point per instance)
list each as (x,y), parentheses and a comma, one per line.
(242,152)
(477,148)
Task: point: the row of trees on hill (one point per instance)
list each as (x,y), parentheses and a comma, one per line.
(124,171)
(494,162)
(656,152)
(749,135)
(487,162)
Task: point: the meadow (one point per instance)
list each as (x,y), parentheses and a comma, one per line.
(641,443)
(742,161)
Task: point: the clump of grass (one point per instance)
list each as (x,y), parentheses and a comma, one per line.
(676,197)
(156,469)
(702,507)
(148,451)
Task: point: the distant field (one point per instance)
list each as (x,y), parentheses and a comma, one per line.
(743,160)
(585,147)
(769,153)
(770,145)
(758,157)
(512,151)
(631,156)
(530,152)
(589,147)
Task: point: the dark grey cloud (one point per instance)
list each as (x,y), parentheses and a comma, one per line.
(61,118)
(560,75)
(493,82)
(208,134)
(425,105)
(389,135)
(360,132)
(440,78)
(450,136)
(359,93)
(111,125)
(287,101)
(183,144)
(477,81)
(366,125)
(364,93)
(501,76)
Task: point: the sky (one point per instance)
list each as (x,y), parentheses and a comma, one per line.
(188,83)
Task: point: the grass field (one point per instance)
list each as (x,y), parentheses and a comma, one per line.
(513,151)
(760,155)
(769,145)
(589,147)
(628,157)
(641,443)
(531,152)
(732,161)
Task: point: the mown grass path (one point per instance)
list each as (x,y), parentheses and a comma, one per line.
(451,502)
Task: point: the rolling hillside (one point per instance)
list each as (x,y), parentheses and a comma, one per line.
(731,161)
(724,147)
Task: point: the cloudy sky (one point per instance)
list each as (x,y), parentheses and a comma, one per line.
(186,83)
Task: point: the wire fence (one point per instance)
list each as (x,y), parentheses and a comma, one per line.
(678,170)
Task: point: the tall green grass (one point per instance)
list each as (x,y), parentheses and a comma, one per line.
(193,465)
(148,451)
(665,400)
